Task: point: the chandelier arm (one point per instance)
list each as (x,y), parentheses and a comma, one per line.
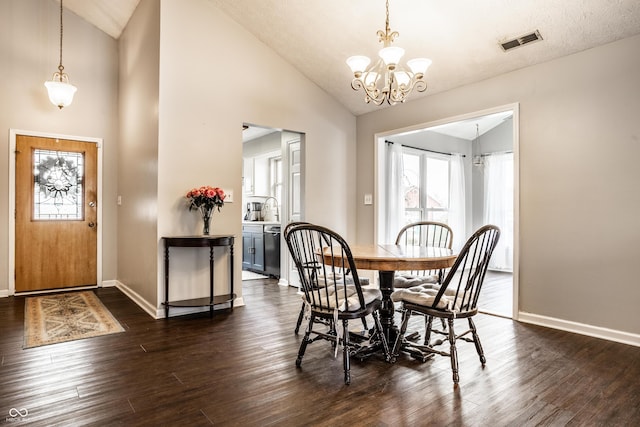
(420,85)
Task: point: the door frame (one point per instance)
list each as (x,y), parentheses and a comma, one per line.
(13,133)
(379,139)
(288,272)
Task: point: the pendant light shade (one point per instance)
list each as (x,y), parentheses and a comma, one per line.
(60,92)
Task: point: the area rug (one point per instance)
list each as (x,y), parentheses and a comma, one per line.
(53,319)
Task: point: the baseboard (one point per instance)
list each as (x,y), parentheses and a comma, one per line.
(135,297)
(109,283)
(581,328)
(158,313)
(4,293)
(283,282)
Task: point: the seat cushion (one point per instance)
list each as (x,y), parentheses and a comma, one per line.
(402,281)
(338,278)
(327,298)
(425,295)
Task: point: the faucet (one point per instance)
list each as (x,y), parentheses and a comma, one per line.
(264,205)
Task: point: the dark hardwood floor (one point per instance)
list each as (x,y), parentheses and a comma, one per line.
(238,369)
(497,294)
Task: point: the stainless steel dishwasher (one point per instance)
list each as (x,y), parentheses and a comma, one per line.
(272,250)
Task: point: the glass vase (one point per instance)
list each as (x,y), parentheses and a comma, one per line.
(206,220)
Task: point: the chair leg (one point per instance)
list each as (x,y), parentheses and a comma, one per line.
(428,322)
(305,340)
(345,352)
(300,317)
(476,341)
(453,353)
(364,324)
(406,314)
(385,345)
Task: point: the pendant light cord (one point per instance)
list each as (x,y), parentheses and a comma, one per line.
(60,67)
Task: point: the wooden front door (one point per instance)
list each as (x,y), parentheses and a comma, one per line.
(56,213)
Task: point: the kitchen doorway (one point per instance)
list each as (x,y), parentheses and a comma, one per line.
(272,196)
(485,144)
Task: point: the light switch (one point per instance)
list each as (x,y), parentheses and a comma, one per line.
(228,196)
(368,199)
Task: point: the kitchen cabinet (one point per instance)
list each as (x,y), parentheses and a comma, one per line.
(272,250)
(253,248)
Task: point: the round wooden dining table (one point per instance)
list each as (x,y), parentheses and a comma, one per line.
(387,259)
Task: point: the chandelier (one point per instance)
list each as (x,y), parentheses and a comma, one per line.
(60,90)
(387,80)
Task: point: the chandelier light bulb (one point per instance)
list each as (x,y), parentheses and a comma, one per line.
(391,55)
(419,65)
(371,78)
(358,63)
(402,78)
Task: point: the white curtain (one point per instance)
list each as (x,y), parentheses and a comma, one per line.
(457,207)
(394,205)
(498,206)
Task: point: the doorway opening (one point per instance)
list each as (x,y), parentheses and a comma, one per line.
(272,196)
(462,171)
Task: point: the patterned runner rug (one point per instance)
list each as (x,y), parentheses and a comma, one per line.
(52,319)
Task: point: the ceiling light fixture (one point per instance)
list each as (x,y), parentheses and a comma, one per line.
(387,80)
(60,90)
(477,159)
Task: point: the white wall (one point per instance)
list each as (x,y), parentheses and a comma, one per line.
(207,90)
(579,202)
(138,160)
(29,42)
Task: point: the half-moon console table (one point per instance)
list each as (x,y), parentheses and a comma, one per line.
(199,242)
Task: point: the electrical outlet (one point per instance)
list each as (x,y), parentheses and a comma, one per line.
(368,199)
(228,196)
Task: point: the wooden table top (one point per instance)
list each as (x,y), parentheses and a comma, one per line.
(398,257)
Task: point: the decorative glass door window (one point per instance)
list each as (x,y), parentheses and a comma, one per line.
(58,178)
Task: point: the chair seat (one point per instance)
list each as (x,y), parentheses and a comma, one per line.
(351,303)
(403,281)
(425,295)
(338,278)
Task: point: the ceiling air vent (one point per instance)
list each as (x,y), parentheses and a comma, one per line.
(521,41)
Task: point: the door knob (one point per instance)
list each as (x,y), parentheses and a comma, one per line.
(92,204)
(92,224)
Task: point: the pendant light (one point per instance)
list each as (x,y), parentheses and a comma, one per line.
(60,90)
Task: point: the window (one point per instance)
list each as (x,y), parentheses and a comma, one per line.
(275,177)
(426,186)
(58,185)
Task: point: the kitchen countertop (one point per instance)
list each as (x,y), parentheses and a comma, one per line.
(261,222)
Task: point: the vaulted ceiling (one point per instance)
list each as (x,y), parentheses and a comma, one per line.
(462,37)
